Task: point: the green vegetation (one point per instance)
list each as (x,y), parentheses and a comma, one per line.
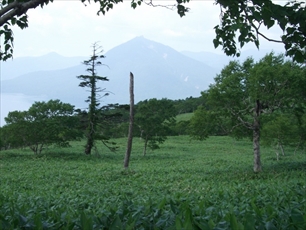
(45,123)
(187,184)
(184,185)
(184,117)
(154,118)
(112,121)
(247,96)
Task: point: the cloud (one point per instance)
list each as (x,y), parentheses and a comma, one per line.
(172,33)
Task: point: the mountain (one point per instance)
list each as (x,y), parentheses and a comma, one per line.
(159,72)
(218,61)
(19,66)
(214,60)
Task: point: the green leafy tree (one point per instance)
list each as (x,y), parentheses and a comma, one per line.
(94,112)
(205,123)
(45,123)
(245,93)
(116,120)
(188,105)
(180,128)
(12,135)
(242,21)
(154,118)
(281,130)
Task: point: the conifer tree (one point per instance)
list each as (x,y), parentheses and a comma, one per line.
(90,81)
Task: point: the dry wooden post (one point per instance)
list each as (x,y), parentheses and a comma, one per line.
(130,136)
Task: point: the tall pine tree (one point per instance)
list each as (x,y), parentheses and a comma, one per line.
(90,81)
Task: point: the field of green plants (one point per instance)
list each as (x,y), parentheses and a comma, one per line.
(184,185)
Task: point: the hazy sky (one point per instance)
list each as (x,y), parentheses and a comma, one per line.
(69,28)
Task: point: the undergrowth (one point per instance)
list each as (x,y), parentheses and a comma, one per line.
(184,185)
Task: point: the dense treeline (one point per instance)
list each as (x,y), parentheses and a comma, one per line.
(192,117)
(55,122)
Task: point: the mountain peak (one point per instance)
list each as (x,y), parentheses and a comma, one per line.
(140,40)
(140,47)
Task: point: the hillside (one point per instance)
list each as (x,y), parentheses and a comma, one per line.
(159,70)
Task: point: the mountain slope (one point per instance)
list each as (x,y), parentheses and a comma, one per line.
(218,61)
(159,71)
(23,65)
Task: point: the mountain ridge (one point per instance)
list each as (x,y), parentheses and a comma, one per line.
(159,70)
(47,62)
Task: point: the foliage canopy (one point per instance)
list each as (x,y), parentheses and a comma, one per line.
(153,118)
(45,123)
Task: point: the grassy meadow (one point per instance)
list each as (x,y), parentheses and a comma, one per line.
(184,117)
(186,184)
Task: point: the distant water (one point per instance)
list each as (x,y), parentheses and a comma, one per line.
(13,102)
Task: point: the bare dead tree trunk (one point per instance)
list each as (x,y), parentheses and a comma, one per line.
(130,135)
(256,138)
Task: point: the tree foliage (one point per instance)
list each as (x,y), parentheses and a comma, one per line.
(45,123)
(241,22)
(245,93)
(154,118)
(284,129)
(205,123)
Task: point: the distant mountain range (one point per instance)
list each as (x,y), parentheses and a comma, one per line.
(159,71)
(24,65)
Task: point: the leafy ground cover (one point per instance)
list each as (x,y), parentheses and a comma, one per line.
(184,185)
(184,117)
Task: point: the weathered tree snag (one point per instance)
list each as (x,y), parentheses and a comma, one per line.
(256,138)
(130,135)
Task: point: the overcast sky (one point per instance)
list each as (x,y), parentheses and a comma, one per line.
(69,28)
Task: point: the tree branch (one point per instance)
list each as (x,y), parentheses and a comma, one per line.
(246,124)
(150,3)
(269,39)
(257,29)
(17,8)
(8,8)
